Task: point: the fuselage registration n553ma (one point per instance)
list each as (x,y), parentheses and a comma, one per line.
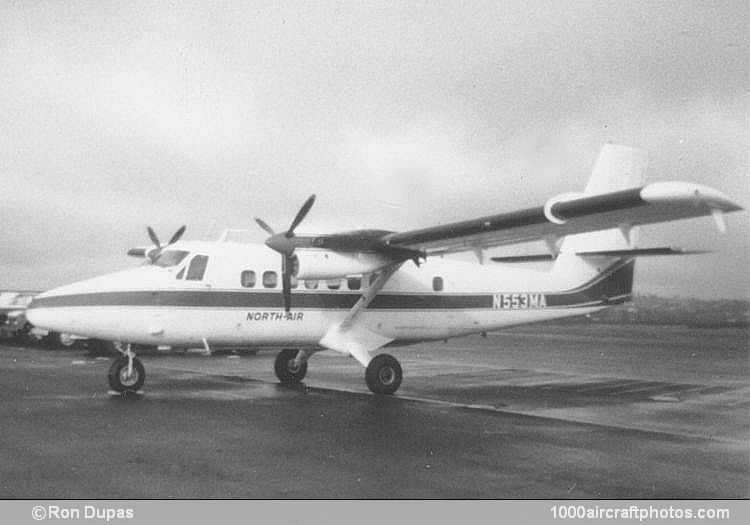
(360,291)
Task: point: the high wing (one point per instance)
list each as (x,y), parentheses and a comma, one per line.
(567,215)
(615,198)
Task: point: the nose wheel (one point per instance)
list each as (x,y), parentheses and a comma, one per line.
(126,373)
(383,375)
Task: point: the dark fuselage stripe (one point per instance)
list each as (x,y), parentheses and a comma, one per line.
(614,283)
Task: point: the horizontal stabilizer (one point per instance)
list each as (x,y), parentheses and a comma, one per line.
(524,258)
(634,252)
(640,252)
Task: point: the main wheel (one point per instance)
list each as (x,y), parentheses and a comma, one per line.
(383,375)
(287,372)
(121,381)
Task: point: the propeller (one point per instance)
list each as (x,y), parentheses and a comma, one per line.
(153,254)
(283,243)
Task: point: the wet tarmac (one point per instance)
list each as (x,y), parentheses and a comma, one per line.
(547,411)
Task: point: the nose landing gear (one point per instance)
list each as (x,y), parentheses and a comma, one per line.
(126,373)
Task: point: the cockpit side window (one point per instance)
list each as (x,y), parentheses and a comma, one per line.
(169,258)
(197,268)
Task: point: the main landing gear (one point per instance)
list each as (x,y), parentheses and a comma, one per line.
(383,374)
(126,373)
(291,366)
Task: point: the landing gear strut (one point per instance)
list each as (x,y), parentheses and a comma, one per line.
(126,373)
(290,366)
(383,375)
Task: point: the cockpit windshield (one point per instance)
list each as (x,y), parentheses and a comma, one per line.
(169,258)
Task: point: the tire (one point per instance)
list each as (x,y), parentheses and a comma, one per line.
(285,370)
(383,375)
(118,380)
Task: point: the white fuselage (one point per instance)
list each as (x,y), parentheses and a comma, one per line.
(159,306)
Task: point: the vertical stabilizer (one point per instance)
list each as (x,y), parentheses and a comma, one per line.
(617,168)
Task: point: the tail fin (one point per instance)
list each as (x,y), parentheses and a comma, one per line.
(617,168)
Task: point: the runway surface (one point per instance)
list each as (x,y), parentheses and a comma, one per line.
(544,411)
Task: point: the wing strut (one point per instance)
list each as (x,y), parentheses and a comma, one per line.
(348,337)
(370,294)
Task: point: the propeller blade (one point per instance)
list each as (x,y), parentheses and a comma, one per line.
(265,226)
(286,281)
(153,236)
(177,235)
(300,215)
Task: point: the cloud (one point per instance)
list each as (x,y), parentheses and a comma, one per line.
(397,115)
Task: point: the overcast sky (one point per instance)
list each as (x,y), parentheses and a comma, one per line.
(114,115)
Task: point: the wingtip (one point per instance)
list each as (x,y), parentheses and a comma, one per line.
(678,191)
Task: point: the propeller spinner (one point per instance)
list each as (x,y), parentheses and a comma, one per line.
(284,244)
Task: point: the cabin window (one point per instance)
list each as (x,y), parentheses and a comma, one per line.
(311,284)
(270,279)
(354,283)
(197,268)
(180,273)
(333,284)
(437,284)
(247,279)
(294,281)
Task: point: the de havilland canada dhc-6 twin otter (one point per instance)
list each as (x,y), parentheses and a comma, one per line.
(359,291)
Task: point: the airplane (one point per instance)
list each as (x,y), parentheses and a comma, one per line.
(13,305)
(359,292)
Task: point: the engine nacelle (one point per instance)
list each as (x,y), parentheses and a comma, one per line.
(325,264)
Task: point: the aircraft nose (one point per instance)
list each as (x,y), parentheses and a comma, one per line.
(37,315)
(40,311)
